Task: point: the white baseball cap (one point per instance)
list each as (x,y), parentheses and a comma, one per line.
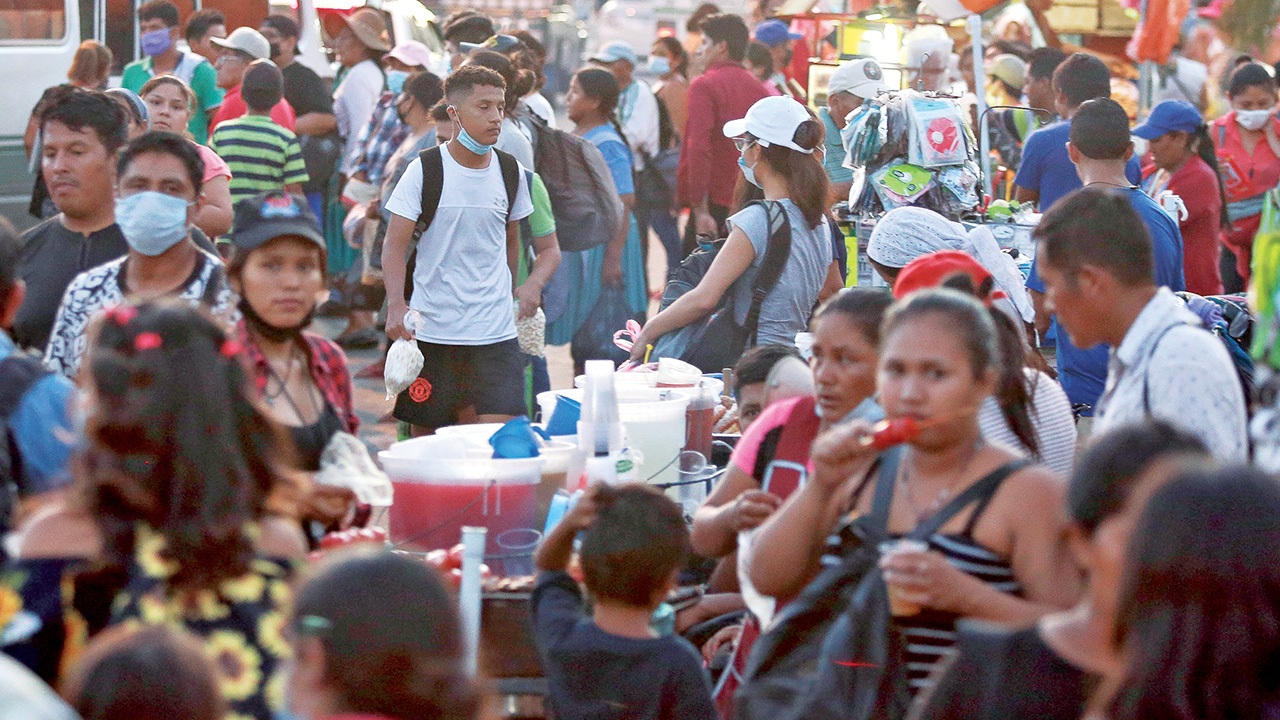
(773,121)
(862,77)
(246,40)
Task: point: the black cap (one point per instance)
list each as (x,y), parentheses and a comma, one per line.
(265,217)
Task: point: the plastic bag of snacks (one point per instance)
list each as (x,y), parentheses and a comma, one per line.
(531,332)
(404,360)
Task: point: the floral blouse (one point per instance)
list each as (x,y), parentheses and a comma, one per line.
(241,624)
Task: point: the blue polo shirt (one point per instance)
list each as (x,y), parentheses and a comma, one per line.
(1047,169)
(1083,371)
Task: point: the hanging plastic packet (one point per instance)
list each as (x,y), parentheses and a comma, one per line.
(937,133)
(853,129)
(404,359)
(961,183)
(901,184)
(531,332)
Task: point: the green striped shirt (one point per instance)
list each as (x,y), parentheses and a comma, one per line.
(262,155)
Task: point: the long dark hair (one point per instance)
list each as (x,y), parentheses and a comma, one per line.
(1204,148)
(677,51)
(1199,615)
(391,636)
(1014,391)
(600,85)
(176,442)
(519,80)
(806,179)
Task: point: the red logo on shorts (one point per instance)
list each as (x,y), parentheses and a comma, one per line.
(420,390)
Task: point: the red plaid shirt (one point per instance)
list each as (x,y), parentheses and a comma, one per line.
(328,366)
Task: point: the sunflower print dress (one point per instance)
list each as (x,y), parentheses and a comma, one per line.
(241,624)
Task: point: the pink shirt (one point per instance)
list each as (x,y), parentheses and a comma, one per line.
(214,166)
(748,448)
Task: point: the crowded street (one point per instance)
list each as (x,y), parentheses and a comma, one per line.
(639,360)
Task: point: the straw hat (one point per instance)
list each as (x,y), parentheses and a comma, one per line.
(369,28)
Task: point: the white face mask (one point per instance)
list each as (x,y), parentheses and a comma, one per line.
(1252,119)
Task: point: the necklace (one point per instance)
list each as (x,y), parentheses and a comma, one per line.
(943,496)
(1126,186)
(282,384)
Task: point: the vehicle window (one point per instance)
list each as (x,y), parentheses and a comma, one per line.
(32,21)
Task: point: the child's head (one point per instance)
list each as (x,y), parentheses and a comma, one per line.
(632,551)
(262,87)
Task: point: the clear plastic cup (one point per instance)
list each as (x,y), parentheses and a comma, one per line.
(899,606)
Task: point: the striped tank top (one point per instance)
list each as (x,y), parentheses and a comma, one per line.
(932,633)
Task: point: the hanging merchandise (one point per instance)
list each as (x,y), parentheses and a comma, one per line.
(961,182)
(901,184)
(1158,31)
(937,132)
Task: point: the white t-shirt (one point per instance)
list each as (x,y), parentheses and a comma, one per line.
(1051,418)
(461,280)
(638,113)
(353,103)
(539,105)
(515,143)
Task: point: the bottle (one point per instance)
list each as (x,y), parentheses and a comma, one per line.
(700,419)
(602,454)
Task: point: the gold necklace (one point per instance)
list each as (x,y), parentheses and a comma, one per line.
(943,496)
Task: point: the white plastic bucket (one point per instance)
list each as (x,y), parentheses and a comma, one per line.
(655,422)
(440,487)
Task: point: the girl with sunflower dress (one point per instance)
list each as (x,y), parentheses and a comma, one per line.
(168,523)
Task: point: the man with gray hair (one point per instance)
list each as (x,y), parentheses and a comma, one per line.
(927,51)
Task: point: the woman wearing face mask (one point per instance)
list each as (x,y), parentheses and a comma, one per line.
(378,140)
(1001,558)
(777,140)
(669,61)
(1045,671)
(1247,142)
(592,99)
(169,106)
(278,272)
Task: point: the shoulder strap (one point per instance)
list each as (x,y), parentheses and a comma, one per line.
(209,298)
(510,168)
(979,492)
(18,372)
(1146,370)
(886,477)
(775,261)
(788,469)
(432,186)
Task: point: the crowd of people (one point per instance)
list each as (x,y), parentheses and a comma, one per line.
(981,495)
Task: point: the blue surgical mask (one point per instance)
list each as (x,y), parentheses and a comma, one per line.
(152,222)
(468,142)
(659,65)
(748,171)
(156,42)
(395,80)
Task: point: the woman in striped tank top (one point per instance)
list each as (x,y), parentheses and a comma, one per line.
(1001,559)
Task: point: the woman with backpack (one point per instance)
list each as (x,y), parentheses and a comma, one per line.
(777,140)
(985,525)
(601,273)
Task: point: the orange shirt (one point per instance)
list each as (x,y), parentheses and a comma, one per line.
(1245,174)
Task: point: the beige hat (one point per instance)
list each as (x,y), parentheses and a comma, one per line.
(1009,68)
(862,77)
(246,40)
(369,28)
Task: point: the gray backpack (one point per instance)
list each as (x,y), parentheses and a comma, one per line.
(584,198)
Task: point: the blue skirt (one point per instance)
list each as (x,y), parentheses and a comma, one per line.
(577,281)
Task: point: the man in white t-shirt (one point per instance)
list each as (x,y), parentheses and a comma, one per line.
(637,107)
(463,270)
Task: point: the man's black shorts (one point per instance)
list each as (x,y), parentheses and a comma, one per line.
(454,377)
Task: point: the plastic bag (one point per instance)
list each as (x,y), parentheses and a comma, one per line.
(901,184)
(531,332)
(404,359)
(346,463)
(937,133)
(594,339)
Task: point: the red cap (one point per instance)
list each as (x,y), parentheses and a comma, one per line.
(929,271)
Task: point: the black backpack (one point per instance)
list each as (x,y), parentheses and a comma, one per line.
(433,186)
(834,653)
(717,341)
(584,198)
(18,373)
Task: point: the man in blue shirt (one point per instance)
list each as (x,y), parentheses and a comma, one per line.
(1100,149)
(1046,173)
(34,428)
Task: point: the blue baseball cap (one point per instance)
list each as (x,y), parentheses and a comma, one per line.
(775,32)
(1170,116)
(614,52)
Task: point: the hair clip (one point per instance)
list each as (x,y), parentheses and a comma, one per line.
(314,625)
(122,314)
(231,348)
(147,341)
